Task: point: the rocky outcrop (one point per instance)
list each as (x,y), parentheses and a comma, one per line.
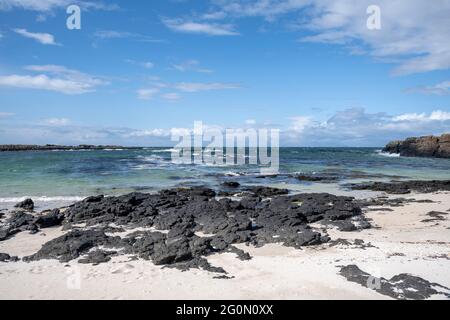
(428,146)
(181,227)
(20,221)
(404,187)
(53,147)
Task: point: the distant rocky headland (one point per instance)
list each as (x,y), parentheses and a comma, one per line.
(53,147)
(428,146)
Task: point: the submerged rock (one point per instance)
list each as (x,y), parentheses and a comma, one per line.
(231,184)
(316,178)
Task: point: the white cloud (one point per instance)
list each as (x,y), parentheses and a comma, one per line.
(250,122)
(162,89)
(190,65)
(44,38)
(114,34)
(57,122)
(6,114)
(413,33)
(300,123)
(198,86)
(149,133)
(171,96)
(143,64)
(212,29)
(147,94)
(49,5)
(440,89)
(53,78)
(269,9)
(433,116)
(406,33)
(356,127)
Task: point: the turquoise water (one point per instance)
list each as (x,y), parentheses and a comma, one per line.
(69,175)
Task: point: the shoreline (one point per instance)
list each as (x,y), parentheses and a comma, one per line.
(53,147)
(388,249)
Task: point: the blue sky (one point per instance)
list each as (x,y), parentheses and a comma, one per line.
(138,69)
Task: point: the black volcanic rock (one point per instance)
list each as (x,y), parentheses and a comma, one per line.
(427,146)
(316,178)
(262,215)
(96,257)
(53,218)
(4,257)
(231,184)
(26,204)
(402,286)
(405,187)
(18,222)
(73,244)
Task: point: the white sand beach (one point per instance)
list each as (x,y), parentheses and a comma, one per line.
(400,243)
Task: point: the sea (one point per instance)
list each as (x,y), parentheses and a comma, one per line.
(55,178)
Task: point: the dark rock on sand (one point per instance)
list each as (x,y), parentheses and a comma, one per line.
(263,215)
(26,204)
(52,219)
(73,244)
(405,187)
(4,257)
(402,286)
(18,222)
(357,243)
(435,216)
(97,256)
(428,146)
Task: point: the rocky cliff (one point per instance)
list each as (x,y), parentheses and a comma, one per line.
(428,146)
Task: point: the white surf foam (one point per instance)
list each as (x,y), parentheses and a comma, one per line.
(387,154)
